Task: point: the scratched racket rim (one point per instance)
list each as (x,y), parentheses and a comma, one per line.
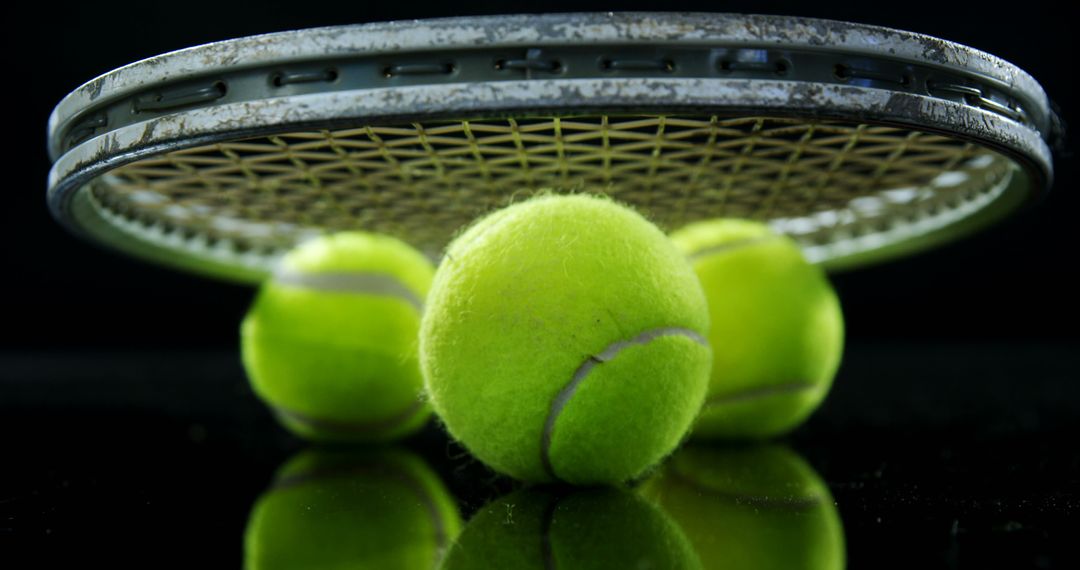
(943,139)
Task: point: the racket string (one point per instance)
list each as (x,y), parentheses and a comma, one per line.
(423,181)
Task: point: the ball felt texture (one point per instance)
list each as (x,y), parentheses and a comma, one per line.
(584,529)
(776,329)
(564,340)
(751,507)
(330,343)
(379,509)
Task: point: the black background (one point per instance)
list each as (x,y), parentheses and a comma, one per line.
(129,435)
(1013,282)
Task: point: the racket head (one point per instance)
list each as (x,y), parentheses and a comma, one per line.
(860,142)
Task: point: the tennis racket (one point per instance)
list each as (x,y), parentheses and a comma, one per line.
(860,142)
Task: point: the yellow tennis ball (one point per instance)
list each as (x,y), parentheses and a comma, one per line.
(564,339)
(777,330)
(330,343)
(545,528)
(378,509)
(750,507)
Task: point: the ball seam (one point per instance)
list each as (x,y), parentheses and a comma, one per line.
(370,283)
(757,393)
(338,427)
(563,397)
(730,246)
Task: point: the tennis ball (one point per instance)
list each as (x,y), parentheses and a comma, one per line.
(564,339)
(379,509)
(583,529)
(756,507)
(330,343)
(777,331)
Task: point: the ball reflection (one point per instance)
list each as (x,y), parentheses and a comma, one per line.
(381,509)
(751,507)
(545,528)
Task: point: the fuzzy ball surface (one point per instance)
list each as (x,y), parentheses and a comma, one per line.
(777,329)
(565,340)
(330,343)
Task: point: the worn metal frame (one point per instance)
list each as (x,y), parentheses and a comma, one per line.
(546,67)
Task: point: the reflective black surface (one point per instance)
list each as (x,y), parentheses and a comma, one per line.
(955,448)
(935,455)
